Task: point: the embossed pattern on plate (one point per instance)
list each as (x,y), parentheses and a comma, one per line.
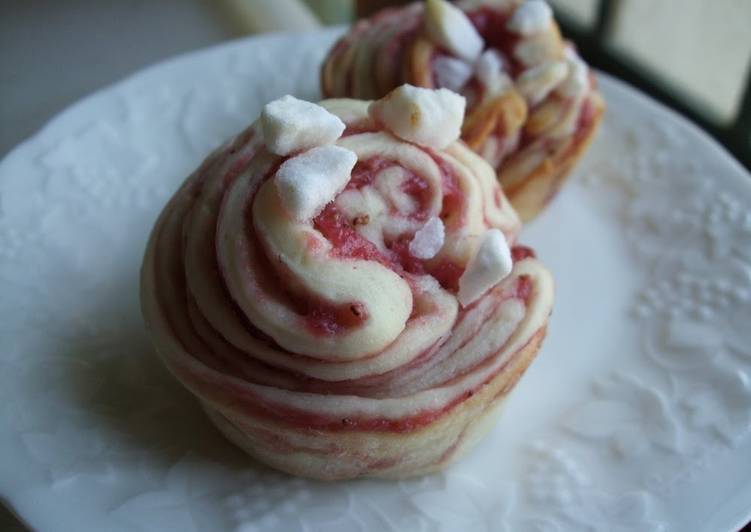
(635,416)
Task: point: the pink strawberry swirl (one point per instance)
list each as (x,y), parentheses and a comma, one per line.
(323,347)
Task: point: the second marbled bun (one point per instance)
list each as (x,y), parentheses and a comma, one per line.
(345,302)
(533,104)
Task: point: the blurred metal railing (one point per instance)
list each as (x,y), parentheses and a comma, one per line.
(594,45)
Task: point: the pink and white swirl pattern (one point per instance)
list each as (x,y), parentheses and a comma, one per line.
(324,347)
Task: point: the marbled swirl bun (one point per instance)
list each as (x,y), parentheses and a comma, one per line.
(324,347)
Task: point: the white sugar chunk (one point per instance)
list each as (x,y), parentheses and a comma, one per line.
(489,70)
(491,264)
(307,182)
(291,125)
(424,116)
(533,51)
(490,62)
(537,82)
(428,240)
(451,73)
(577,80)
(449,27)
(531,17)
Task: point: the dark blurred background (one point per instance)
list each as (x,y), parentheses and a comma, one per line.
(693,55)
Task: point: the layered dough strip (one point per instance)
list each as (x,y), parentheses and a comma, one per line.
(533,105)
(335,346)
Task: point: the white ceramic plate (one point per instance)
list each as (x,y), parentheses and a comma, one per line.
(635,416)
